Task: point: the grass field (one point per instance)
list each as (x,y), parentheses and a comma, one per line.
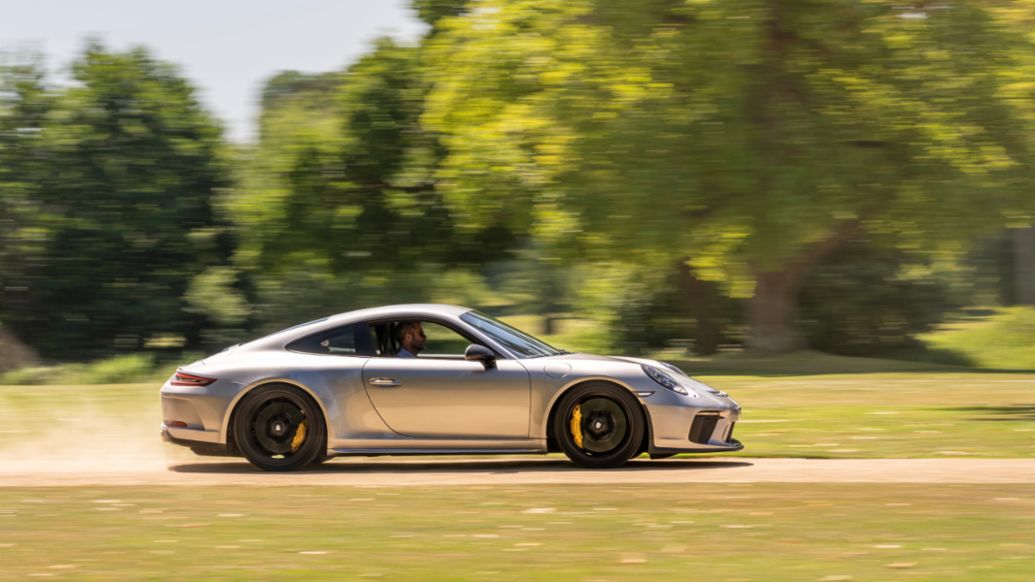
(729,532)
(860,415)
(885,415)
(1002,337)
(759,532)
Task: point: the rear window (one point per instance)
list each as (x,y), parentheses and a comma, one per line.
(351,340)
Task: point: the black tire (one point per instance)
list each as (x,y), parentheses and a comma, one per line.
(269,421)
(610,424)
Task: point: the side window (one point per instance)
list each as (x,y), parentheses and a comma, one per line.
(352,340)
(442,341)
(343,343)
(439,341)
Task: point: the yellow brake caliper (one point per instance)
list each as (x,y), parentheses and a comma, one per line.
(299,438)
(576,425)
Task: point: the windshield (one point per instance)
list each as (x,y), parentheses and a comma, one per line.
(516,341)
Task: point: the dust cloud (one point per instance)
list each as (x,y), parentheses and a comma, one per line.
(89,438)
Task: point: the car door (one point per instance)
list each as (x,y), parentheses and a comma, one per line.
(439,394)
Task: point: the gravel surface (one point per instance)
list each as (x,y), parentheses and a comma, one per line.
(529,470)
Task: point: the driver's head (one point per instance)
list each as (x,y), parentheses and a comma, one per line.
(410,336)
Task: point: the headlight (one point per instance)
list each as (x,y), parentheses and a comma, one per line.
(663,379)
(696,383)
(669,366)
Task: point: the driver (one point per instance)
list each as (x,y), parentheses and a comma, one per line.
(411,338)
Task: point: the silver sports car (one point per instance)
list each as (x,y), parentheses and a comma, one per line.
(351,384)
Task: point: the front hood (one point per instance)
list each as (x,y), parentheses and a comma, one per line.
(632,365)
(681,376)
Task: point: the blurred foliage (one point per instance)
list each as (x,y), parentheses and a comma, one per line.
(659,313)
(676,174)
(337,207)
(753,137)
(326,183)
(867,300)
(115,370)
(532,282)
(123,168)
(990,271)
(433,11)
(24,164)
(13,353)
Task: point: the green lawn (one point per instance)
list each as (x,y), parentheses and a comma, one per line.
(885,415)
(758,532)
(978,338)
(730,532)
(860,415)
(1001,337)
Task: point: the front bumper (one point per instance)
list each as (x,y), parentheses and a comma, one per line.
(681,429)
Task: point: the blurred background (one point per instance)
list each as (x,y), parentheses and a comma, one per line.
(689,178)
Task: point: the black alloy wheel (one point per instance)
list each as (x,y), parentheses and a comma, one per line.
(599,425)
(279,428)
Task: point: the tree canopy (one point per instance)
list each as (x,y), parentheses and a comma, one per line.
(750,137)
(123,217)
(658,165)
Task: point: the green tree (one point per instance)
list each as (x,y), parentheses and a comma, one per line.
(339,180)
(433,11)
(338,207)
(24,105)
(132,164)
(753,137)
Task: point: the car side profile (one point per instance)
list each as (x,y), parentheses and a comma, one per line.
(336,387)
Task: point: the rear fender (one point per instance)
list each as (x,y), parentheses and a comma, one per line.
(224,431)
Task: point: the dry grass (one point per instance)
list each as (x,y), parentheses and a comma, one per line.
(761,532)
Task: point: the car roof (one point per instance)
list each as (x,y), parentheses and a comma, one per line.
(401,310)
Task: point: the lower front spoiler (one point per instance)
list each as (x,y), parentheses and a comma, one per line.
(730,446)
(201,448)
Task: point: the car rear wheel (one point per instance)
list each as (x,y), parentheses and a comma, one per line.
(599,425)
(279,428)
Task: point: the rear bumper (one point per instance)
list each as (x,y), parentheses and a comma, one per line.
(198,413)
(191,434)
(206,448)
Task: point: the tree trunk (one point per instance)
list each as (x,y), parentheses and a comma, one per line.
(773,309)
(699,299)
(549,324)
(1024,266)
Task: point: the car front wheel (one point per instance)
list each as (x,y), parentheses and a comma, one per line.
(599,425)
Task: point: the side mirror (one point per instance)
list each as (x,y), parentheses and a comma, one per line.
(482,354)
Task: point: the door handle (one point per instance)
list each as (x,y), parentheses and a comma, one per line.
(385,382)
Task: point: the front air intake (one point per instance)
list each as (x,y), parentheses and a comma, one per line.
(703,426)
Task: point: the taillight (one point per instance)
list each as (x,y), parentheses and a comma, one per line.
(185,379)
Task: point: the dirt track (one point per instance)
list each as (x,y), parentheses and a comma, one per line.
(395,471)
